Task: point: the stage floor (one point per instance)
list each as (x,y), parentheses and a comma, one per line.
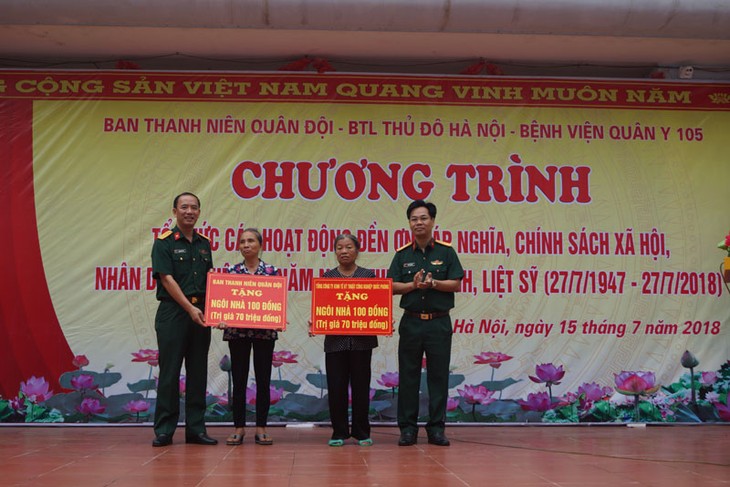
(515,456)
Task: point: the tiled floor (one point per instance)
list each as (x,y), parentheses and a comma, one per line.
(515,456)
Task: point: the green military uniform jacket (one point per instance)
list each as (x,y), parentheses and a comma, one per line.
(187,262)
(440,260)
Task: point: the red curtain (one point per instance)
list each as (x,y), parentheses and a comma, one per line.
(31,340)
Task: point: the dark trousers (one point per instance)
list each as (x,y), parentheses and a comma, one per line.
(349,367)
(180,339)
(432,337)
(263,351)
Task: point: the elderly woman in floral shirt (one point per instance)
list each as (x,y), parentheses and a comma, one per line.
(242,340)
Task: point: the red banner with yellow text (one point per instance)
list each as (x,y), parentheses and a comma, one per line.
(586,213)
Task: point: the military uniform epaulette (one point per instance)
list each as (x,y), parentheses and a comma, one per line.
(405,246)
(208,239)
(447,244)
(165,234)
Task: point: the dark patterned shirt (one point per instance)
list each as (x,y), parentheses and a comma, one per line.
(263,269)
(341,343)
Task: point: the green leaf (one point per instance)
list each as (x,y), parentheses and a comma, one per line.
(216,411)
(455,380)
(286,385)
(684,414)
(115,404)
(52,416)
(602,411)
(499,411)
(649,412)
(5,410)
(66,402)
(674,387)
(317,380)
(565,414)
(303,407)
(142,385)
(34,412)
(498,385)
(380,406)
(385,393)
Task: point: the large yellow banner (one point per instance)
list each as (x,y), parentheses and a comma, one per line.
(586,216)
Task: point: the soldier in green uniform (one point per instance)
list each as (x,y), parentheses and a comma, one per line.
(181,259)
(426,273)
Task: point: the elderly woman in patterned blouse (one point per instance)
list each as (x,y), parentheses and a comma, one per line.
(347,359)
(242,340)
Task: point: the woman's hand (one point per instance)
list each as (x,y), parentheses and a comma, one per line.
(281,328)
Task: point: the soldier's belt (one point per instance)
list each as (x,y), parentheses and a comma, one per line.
(426,316)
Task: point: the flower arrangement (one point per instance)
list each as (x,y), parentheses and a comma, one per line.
(725,245)
(476,394)
(636,396)
(494,360)
(549,375)
(537,401)
(390,380)
(636,384)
